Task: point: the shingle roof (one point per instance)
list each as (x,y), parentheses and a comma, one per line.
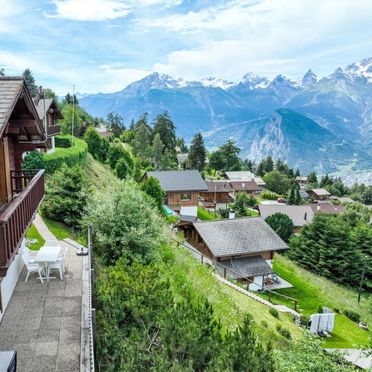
(10,88)
(303,194)
(244,186)
(299,214)
(302,178)
(218,186)
(245,267)
(320,192)
(239,236)
(244,176)
(40,106)
(188,180)
(327,208)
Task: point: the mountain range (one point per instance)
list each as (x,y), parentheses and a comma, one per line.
(322,124)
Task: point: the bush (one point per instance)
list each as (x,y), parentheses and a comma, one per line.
(274,313)
(62,141)
(33,160)
(125,223)
(284,332)
(268,195)
(223,212)
(351,314)
(152,188)
(122,169)
(281,224)
(97,145)
(66,196)
(320,309)
(71,156)
(304,320)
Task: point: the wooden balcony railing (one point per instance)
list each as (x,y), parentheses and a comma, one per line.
(16,218)
(53,130)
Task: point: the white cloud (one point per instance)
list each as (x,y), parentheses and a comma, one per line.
(8,9)
(101,10)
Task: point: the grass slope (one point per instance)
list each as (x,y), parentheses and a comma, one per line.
(312,290)
(205,215)
(230,306)
(33,234)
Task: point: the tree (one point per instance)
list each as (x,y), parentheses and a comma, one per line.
(281,224)
(49,93)
(217,161)
(152,187)
(240,205)
(197,153)
(367,196)
(230,154)
(294,196)
(122,169)
(165,128)
(70,100)
(124,224)
(97,145)
(312,178)
(141,142)
(66,123)
(66,196)
(157,151)
(30,82)
(277,182)
(117,152)
(33,160)
(115,124)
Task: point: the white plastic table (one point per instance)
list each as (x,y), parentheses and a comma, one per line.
(46,255)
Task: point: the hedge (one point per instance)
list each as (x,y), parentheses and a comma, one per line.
(63,141)
(70,156)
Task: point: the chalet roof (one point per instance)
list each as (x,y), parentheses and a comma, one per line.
(244,176)
(320,192)
(218,186)
(303,194)
(188,180)
(245,267)
(299,214)
(302,178)
(10,89)
(239,236)
(49,103)
(327,207)
(345,199)
(244,185)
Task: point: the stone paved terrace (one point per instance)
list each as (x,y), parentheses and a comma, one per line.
(42,321)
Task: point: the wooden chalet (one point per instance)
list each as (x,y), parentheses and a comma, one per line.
(319,194)
(249,187)
(21,192)
(219,191)
(246,246)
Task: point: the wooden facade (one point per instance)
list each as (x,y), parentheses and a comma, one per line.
(176,200)
(218,197)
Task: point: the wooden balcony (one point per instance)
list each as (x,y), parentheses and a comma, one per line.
(53,130)
(17,215)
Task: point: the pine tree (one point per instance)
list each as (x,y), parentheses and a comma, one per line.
(167,131)
(30,82)
(2,72)
(157,151)
(197,153)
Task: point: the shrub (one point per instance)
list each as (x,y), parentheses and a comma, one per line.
(351,314)
(66,196)
(71,156)
(152,188)
(33,160)
(304,320)
(320,309)
(124,223)
(281,224)
(284,332)
(223,212)
(62,141)
(264,323)
(122,169)
(97,145)
(274,312)
(269,195)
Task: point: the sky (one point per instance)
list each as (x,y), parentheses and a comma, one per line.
(103,45)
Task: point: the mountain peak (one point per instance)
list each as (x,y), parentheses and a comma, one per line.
(309,79)
(361,69)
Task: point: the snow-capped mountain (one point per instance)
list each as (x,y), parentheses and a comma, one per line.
(340,103)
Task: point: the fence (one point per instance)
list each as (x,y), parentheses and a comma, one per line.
(207,260)
(92,311)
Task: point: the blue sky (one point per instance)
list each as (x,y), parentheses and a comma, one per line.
(103,45)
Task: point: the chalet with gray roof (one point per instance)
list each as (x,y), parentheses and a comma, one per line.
(182,189)
(299,214)
(319,194)
(219,191)
(327,207)
(248,187)
(244,176)
(245,245)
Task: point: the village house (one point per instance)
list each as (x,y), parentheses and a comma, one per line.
(302,181)
(249,187)
(299,214)
(244,246)
(234,176)
(319,194)
(182,189)
(49,113)
(327,207)
(21,192)
(219,192)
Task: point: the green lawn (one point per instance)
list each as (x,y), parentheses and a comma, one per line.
(252,212)
(312,290)
(231,306)
(205,215)
(33,234)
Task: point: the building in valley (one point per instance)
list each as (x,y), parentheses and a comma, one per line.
(327,207)
(219,192)
(21,192)
(319,194)
(302,181)
(182,189)
(249,187)
(234,176)
(244,247)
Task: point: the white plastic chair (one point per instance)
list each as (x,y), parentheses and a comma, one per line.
(32,267)
(57,265)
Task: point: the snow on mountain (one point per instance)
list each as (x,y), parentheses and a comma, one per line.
(216,83)
(362,68)
(308,80)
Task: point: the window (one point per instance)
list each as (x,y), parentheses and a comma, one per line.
(185,197)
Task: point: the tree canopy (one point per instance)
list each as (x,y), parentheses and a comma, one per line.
(197,153)
(281,224)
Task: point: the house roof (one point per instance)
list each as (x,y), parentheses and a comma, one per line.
(188,180)
(10,89)
(43,105)
(345,199)
(245,267)
(218,186)
(302,178)
(239,236)
(327,207)
(299,214)
(244,185)
(244,176)
(303,194)
(320,192)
